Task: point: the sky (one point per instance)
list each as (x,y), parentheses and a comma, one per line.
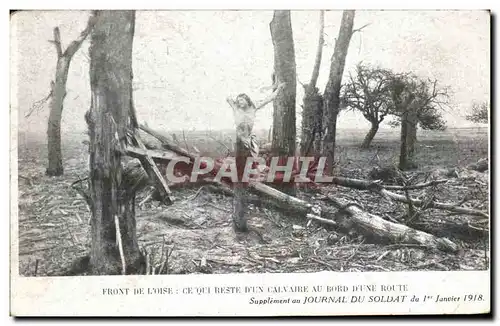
(187,62)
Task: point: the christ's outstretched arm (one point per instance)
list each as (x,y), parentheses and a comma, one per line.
(264,102)
(232,103)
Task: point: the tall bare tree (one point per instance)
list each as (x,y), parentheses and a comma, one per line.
(312,108)
(368,93)
(57,95)
(114,247)
(284,131)
(284,119)
(332,90)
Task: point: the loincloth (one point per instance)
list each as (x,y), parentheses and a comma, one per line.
(250,144)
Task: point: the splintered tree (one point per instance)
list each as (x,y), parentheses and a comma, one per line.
(368,93)
(332,90)
(312,108)
(57,95)
(284,133)
(114,247)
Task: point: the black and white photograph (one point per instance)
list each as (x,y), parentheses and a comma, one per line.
(202,142)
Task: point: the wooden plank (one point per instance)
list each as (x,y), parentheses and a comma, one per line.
(153,172)
(156,155)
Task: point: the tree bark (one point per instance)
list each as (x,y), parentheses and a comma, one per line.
(411,137)
(332,90)
(408,138)
(57,94)
(284,129)
(312,108)
(240,189)
(312,121)
(319,50)
(55,167)
(370,135)
(110,78)
(403,151)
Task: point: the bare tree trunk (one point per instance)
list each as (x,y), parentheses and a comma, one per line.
(312,118)
(403,151)
(318,127)
(240,198)
(408,138)
(319,50)
(411,137)
(370,135)
(284,130)
(332,90)
(112,252)
(55,167)
(312,108)
(58,93)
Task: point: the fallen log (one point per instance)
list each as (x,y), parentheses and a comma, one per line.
(283,200)
(341,181)
(167,144)
(373,225)
(462,230)
(364,222)
(377,188)
(156,155)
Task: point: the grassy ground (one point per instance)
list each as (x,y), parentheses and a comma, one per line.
(54,229)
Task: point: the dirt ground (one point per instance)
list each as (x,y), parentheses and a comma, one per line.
(196,230)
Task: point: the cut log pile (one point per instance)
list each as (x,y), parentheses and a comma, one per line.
(327,209)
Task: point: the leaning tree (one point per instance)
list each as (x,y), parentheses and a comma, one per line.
(331,106)
(57,95)
(367,92)
(312,107)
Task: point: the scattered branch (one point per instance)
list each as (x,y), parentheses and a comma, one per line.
(75,45)
(83,193)
(119,244)
(367,185)
(153,172)
(57,42)
(417,186)
(37,105)
(360,29)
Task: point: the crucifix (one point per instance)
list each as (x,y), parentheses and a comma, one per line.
(244,110)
